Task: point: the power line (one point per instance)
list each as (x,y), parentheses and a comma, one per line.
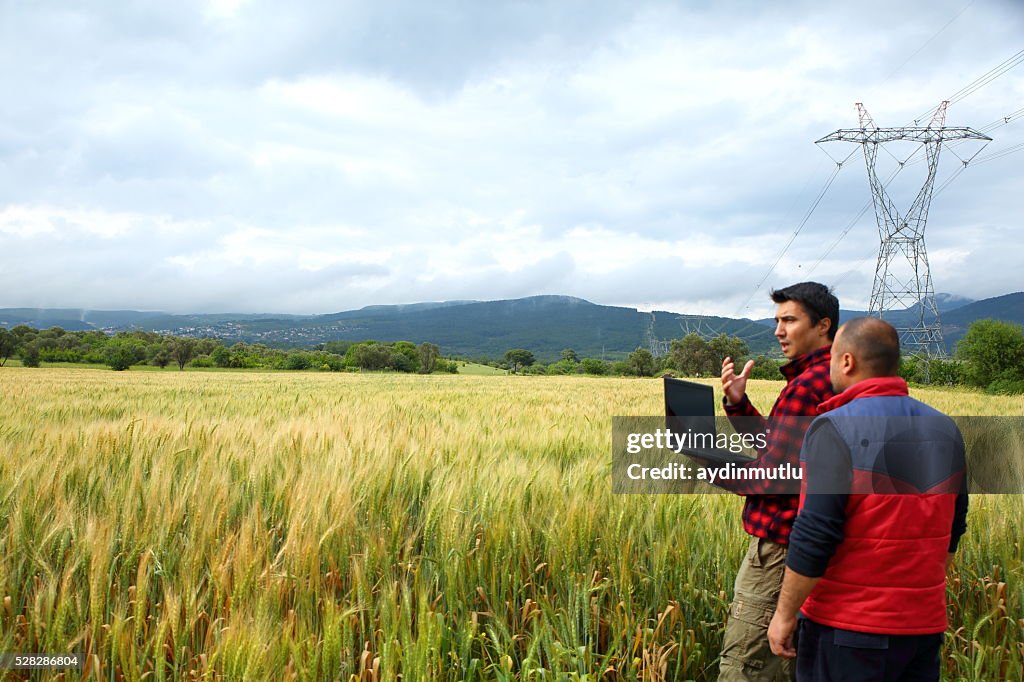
(928,42)
(998,123)
(852,270)
(1009,118)
(1009,64)
(1000,153)
(977,84)
(852,223)
(796,233)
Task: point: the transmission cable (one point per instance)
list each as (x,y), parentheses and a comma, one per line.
(852,223)
(796,232)
(927,42)
(998,154)
(977,84)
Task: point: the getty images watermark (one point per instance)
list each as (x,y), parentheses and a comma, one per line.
(715,454)
(694,443)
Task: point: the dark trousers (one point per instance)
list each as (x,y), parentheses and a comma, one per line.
(826,654)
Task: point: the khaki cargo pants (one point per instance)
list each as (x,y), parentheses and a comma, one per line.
(745,651)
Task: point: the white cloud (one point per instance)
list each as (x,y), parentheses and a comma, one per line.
(315,157)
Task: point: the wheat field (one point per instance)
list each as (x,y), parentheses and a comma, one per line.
(246,526)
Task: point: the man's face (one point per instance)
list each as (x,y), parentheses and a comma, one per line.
(794,330)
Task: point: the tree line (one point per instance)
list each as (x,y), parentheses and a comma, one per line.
(690,356)
(126,349)
(990,356)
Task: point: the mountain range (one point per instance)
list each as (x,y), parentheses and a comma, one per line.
(475,329)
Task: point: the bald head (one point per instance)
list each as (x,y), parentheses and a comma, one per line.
(873,342)
(865,347)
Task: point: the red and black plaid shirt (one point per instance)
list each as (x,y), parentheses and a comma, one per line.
(767,515)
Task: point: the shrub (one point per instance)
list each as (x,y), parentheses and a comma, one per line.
(562,367)
(946,372)
(622,368)
(124,351)
(1006,387)
(764,368)
(992,350)
(297,361)
(29,354)
(594,366)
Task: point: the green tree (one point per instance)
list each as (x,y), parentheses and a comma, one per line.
(182,350)
(206,346)
(945,372)
(8,342)
(24,333)
(400,362)
(594,366)
(641,362)
(764,368)
(689,355)
(161,358)
(562,367)
(338,347)
(221,357)
(992,350)
(724,346)
(29,353)
(410,357)
(517,358)
(429,354)
(621,367)
(121,353)
(569,355)
(298,360)
(369,355)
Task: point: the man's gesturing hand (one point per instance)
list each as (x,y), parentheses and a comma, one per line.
(735,385)
(780,636)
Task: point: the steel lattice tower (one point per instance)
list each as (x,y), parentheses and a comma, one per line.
(902,278)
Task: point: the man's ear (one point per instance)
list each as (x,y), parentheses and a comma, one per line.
(849,363)
(825,325)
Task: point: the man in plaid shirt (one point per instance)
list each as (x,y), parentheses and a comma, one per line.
(806,319)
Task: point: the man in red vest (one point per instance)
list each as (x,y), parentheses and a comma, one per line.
(882,508)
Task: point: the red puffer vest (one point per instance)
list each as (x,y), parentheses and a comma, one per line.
(888,576)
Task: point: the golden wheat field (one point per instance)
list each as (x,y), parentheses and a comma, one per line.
(308,526)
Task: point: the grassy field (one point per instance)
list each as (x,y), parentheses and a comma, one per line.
(468,368)
(473,369)
(322,526)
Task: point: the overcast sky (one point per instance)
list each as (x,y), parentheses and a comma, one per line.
(311,157)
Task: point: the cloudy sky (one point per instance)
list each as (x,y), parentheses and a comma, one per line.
(311,157)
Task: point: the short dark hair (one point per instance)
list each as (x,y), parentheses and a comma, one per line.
(875,343)
(817,299)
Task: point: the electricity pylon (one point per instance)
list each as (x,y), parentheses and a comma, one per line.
(902,277)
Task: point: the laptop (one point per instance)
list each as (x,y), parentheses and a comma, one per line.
(690,408)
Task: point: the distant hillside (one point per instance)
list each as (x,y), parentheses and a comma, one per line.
(956,313)
(75,319)
(542,324)
(944,302)
(1009,307)
(71,319)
